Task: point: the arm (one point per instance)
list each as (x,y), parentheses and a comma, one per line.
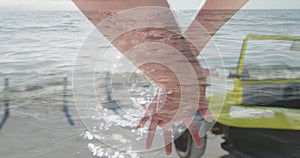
(161,74)
(165,72)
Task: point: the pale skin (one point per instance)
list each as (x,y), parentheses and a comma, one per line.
(166,104)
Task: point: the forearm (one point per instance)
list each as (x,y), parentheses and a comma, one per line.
(210,18)
(160,72)
(97,11)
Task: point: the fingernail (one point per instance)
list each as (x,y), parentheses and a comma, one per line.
(169,150)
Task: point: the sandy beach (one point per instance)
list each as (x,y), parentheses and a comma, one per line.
(31,138)
(44,131)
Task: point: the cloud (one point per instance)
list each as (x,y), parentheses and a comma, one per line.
(16,5)
(187,4)
(273,4)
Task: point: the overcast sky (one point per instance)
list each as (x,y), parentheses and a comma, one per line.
(177,4)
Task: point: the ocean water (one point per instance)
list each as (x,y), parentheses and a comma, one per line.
(39,49)
(32,42)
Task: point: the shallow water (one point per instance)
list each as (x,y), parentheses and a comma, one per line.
(38,49)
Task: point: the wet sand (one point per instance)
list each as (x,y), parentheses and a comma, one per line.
(27,138)
(42,130)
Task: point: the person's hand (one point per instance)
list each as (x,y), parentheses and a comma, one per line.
(161,112)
